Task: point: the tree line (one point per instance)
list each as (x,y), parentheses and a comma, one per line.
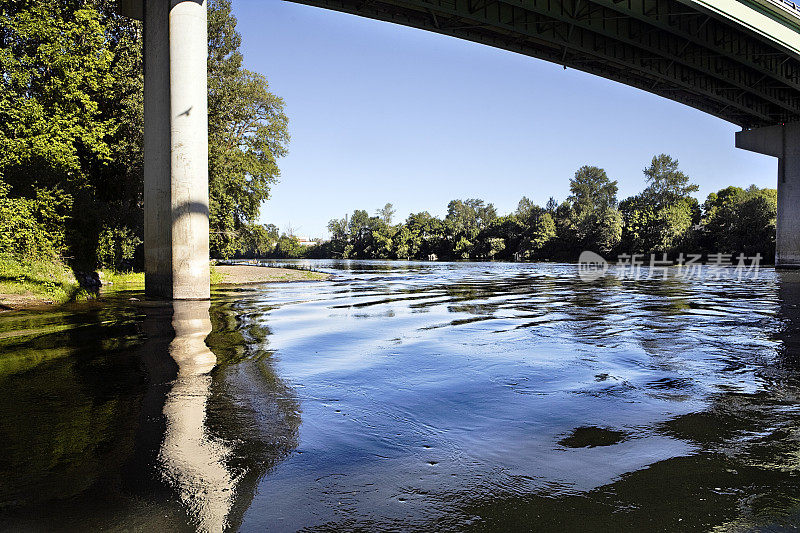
(665,217)
(71,133)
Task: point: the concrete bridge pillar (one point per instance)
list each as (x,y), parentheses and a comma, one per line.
(783,142)
(176,239)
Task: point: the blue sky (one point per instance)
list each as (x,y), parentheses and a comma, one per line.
(384,113)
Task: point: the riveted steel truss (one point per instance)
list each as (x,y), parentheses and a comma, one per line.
(664,47)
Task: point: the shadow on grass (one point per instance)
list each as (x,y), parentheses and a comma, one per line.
(44,292)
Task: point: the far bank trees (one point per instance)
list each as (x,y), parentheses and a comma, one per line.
(664,217)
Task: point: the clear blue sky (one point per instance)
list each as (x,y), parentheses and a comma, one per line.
(384,113)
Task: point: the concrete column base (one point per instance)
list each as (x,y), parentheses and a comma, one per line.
(783,142)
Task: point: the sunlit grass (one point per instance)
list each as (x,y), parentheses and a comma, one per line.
(132,279)
(47,280)
(127,280)
(217,277)
(121,279)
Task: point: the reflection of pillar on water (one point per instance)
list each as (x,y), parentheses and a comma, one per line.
(130,431)
(207,439)
(192,461)
(789,293)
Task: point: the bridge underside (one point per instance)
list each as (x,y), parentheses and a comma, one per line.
(678,50)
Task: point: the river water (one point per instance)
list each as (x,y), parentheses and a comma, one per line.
(410,396)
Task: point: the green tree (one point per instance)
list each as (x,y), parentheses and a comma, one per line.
(22,232)
(542,232)
(406,243)
(259,240)
(288,247)
(383,237)
(462,248)
(525,208)
(662,216)
(736,220)
(592,190)
(117,186)
(116,248)
(427,235)
(340,237)
(360,231)
(495,245)
(70,120)
(608,232)
(464,221)
(386,213)
(641,225)
(248,133)
(55,64)
(667,185)
(592,219)
(509,229)
(538,226)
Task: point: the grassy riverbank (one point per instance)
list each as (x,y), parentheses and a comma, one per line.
(30,283)
(224,275)
(34,283)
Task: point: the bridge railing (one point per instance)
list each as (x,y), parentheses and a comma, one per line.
(788,5)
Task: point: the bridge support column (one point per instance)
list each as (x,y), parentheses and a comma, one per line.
(783,142)
(176,150)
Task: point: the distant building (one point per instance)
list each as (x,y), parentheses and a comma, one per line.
(306,241)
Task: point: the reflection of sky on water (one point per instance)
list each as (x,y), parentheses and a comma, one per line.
(444,396)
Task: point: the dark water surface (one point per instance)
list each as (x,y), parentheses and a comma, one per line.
(410,396)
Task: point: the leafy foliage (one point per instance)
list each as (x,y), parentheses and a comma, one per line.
(288,246)
(258,240)
(22,232)
(117,247)
(666,183)
(593,221)
(70,118)
(56,63)
(661,218)
(741,220)
(248,133)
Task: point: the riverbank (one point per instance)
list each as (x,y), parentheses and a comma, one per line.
(226,275)
(31,285)
(249,275)
(26,284)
